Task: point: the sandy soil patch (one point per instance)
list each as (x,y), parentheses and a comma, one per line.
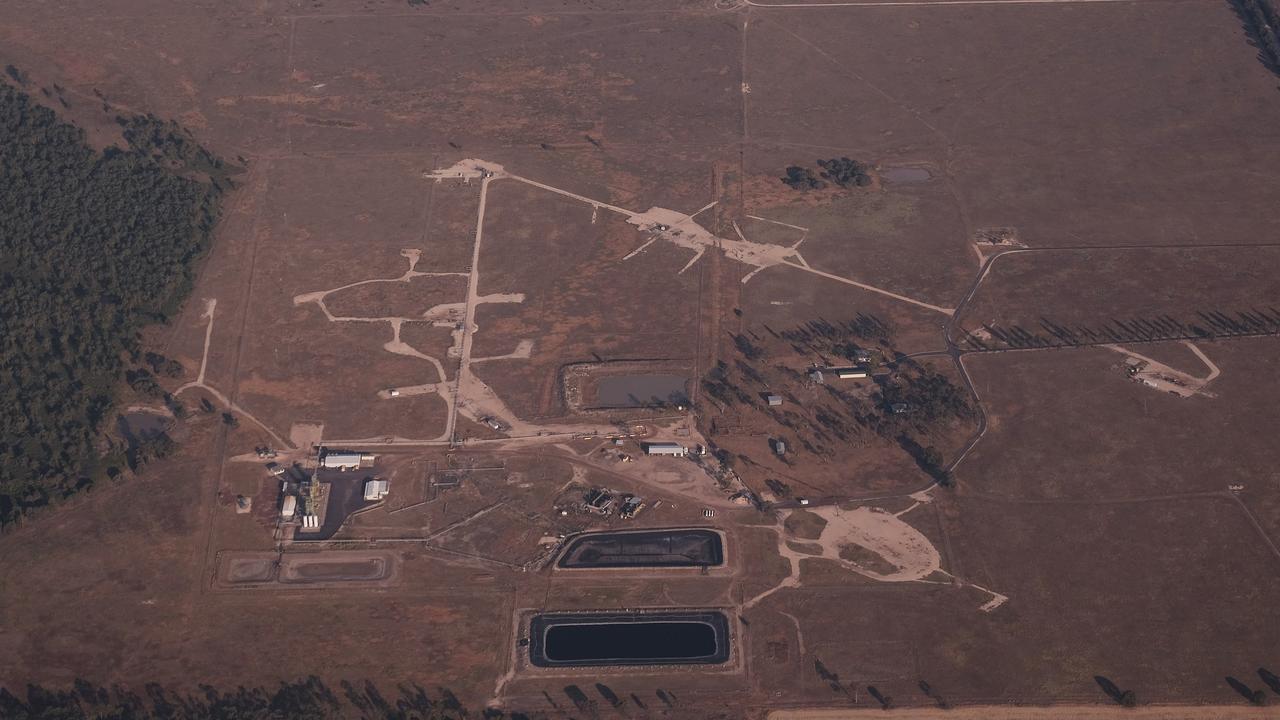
(878,534)
(1155,374)
(804,524)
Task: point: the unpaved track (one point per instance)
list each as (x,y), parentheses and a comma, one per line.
(871,288)
(1060,712)
(679,229)
(468,322)
(209,308)
(1214,371)
(1160,372)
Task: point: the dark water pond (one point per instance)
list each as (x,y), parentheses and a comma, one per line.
(651,548)
(629,639)
(139,426)
(624,391)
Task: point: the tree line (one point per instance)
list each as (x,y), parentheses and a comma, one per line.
(94,245)
(1205,325)
(306,699)
(1261,19)
(841,171)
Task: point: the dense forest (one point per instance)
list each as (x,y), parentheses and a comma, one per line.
(94,245)
(842,171)
(1261,20)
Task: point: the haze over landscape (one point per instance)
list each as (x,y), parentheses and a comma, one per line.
(680,359)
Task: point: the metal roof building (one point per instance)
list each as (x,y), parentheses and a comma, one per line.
(849,373)
(665,448)
(376,489)
(345,459)
(340,460)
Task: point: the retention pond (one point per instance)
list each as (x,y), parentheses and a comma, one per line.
(628,391)
(654,638)
(646,548)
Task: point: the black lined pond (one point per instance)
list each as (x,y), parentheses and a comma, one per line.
(654,638)
(646,548)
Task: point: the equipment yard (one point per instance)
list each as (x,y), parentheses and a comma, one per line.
(691,359)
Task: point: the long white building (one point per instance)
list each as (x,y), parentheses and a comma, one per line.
(345,460)
(665,448)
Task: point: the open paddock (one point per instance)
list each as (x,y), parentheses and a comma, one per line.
(1063,297)
(1175,159)
(1061,408)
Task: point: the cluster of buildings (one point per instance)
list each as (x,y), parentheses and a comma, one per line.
(600,501)
(819,375)
(301,493)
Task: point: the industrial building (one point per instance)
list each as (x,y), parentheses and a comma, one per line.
(376,489)
(342,460)
(849,373)
(599,501)
(665,448)
(773,400)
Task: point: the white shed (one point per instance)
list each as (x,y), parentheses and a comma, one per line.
(341,460)
(376,489)
(665,448)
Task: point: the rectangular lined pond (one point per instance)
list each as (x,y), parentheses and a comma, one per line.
(647,548)
(648,638)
